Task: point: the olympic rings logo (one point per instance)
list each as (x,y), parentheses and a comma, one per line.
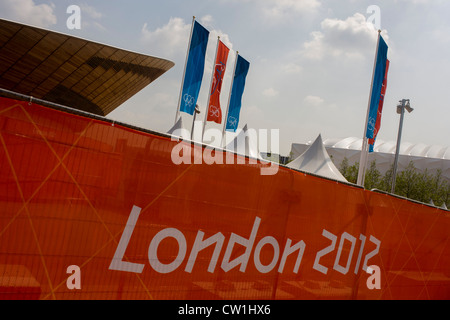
(232,121)
(188,100)
(214,111)
(371,124)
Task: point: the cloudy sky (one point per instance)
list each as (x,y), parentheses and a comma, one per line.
(310,60)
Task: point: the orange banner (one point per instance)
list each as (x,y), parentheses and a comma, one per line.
(214,109)
(95,210)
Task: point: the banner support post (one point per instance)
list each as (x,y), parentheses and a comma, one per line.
(364,148)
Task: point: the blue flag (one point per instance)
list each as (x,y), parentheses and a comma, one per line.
(234,109)
(194,68)
(378,78)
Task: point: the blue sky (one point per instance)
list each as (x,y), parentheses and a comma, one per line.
(310,60)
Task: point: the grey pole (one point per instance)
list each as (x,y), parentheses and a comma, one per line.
(401,110)
(196,110)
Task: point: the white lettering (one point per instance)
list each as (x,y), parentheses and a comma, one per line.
(74,21)
(185,149)
(337,266)
(209,158)
(300,246)
(201,244)
(227,265)
(245,145)
(153,250)
(74,280)
(276,253)
(117,262)
(195,310)
(374,21)
(373,252)
(198,157)
(160,265)
(363,242)
(374,281)
(324,251)
(212,136)
(274,147)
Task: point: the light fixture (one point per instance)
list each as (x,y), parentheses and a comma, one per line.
(399,107)
(408,107)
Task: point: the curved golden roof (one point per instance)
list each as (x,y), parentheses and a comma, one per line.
(70,71)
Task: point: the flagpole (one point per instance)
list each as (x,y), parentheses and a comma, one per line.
(184,72)
(196,110)
(364,148)
(210,87)
(229,99)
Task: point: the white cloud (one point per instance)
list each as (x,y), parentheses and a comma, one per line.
(291,68)
(207,20)
(281,10)
(211,52)
(90,17)
(172,39)
(27,11)
(316,48)
(421,1)
(91,11)
(168,41)
(351,38)
(441,34)
(278,9)
(270,92)
(313,100)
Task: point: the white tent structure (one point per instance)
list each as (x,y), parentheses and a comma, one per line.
(423,156)
(317,161)
(245,143)
(178,130)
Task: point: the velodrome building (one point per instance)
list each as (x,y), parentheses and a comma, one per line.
(423,156)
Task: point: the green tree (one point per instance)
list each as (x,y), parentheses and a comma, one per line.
(385,183)
(444,193)
(410,183)
(424,190)
(406,182)
(423,186)
(349,172)
(439,189)
(372,178)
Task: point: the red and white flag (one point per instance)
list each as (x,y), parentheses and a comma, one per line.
(214,110)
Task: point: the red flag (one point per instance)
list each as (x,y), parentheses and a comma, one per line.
(380,107)
(214,111)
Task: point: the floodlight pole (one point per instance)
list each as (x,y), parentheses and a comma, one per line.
(401,110)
